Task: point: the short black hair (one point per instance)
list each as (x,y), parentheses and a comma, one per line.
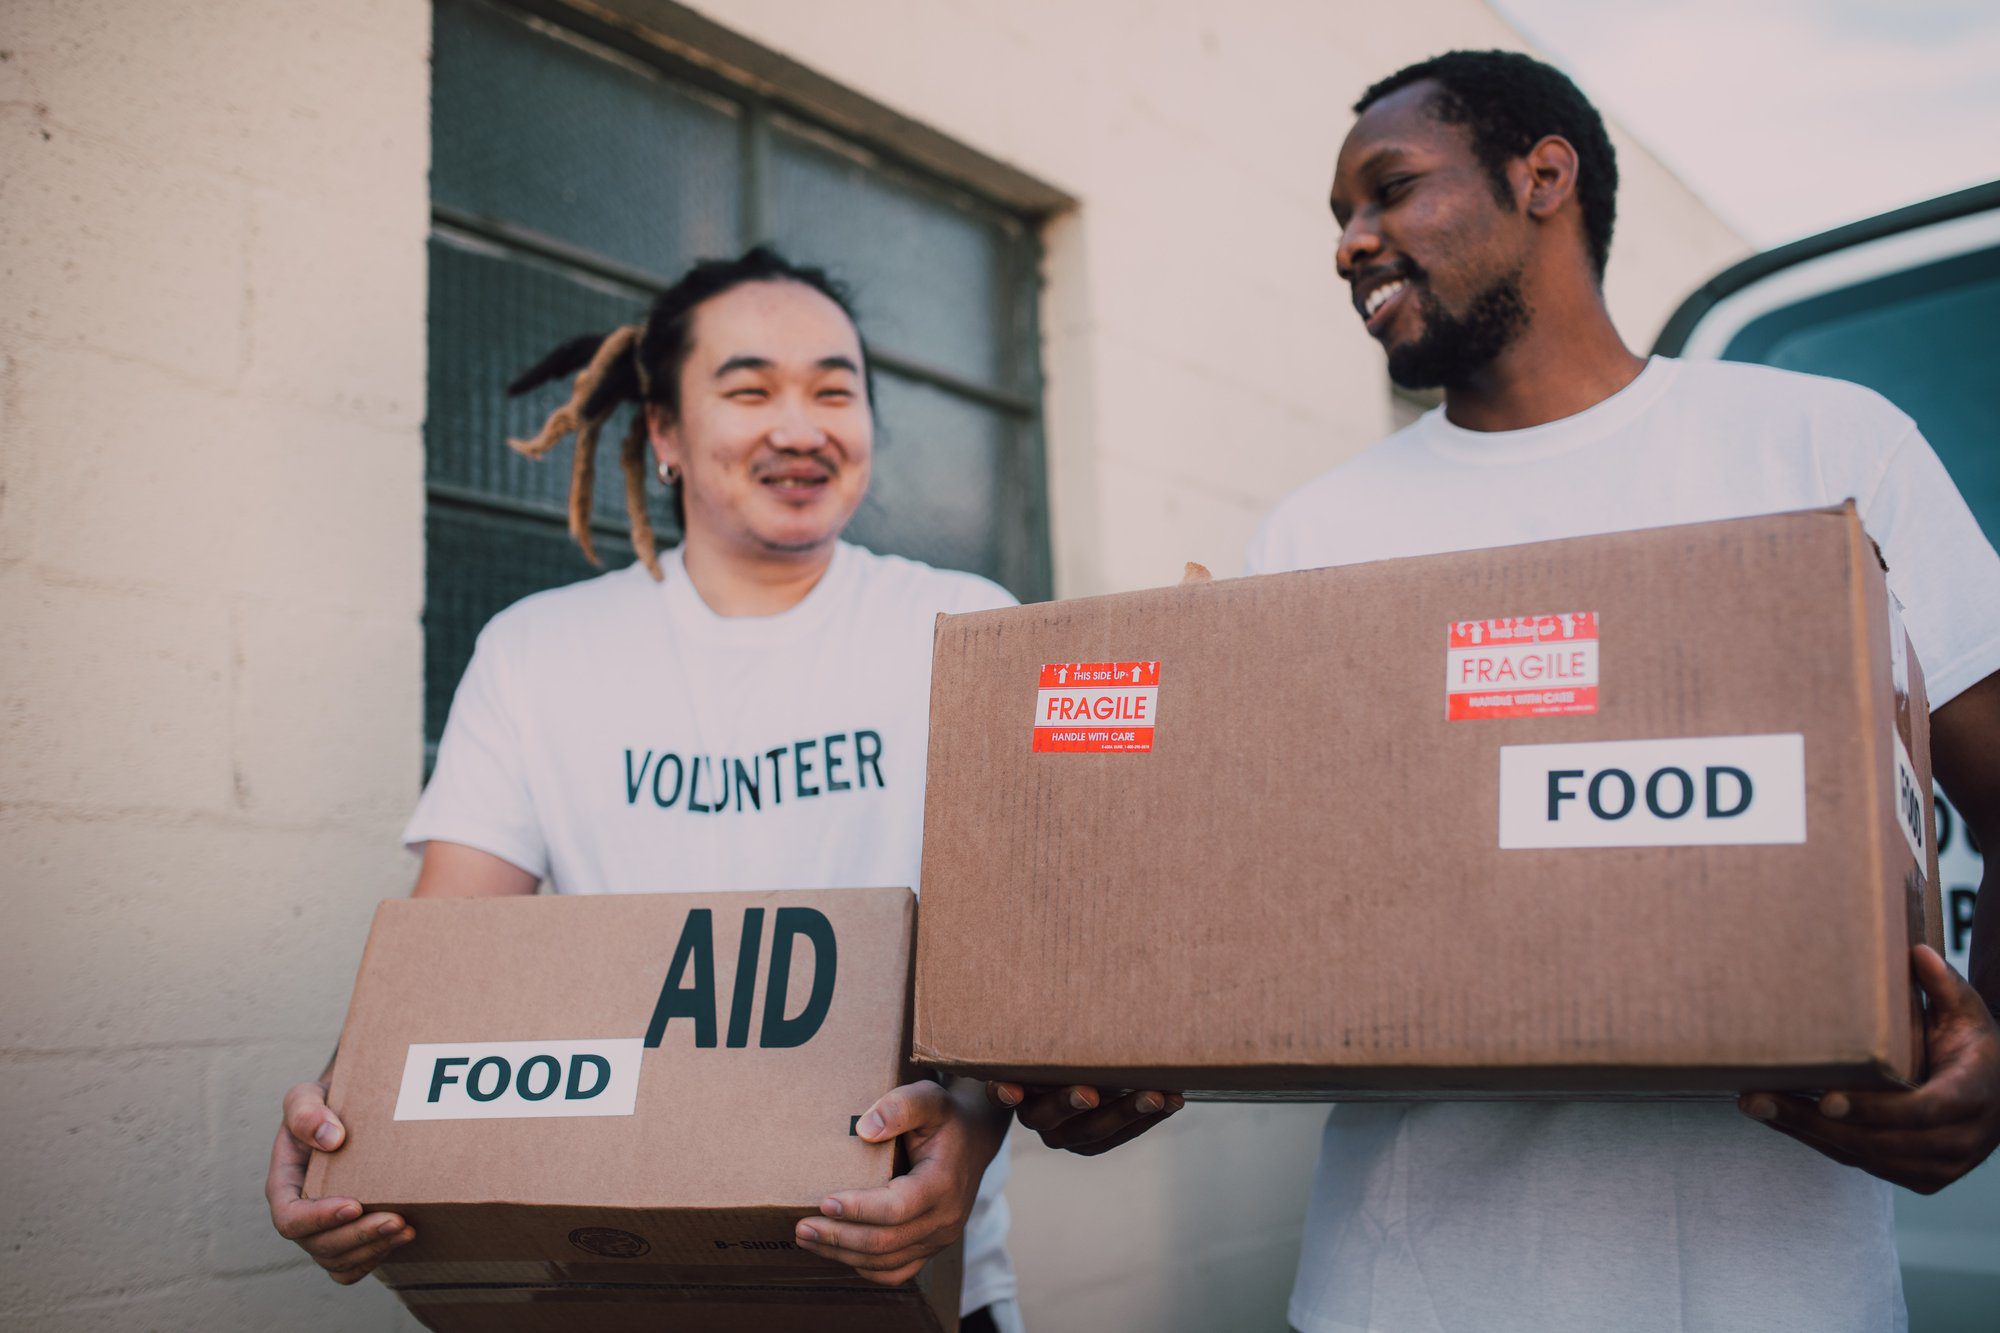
(669,336)
(652,374)
(1509,102)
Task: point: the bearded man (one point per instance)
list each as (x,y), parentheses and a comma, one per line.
(1475,198)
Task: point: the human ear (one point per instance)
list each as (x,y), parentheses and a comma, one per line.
(1550,176)
(664,436)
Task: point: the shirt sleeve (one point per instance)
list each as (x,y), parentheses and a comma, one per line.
(479,794)
(1941,567)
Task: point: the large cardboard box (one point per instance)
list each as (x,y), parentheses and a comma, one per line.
(1645,813)
(609,1112)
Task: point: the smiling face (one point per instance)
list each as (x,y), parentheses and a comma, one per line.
(1434,257)
(775,433)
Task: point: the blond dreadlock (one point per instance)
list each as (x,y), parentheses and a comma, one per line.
(584,416)
(641,525)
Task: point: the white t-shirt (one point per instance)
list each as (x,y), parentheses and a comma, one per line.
(618,736)
(1449,1216)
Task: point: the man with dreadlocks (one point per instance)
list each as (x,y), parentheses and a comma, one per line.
(747,710)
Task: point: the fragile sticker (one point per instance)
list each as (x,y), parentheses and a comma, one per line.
(1096,707)
(1521,666)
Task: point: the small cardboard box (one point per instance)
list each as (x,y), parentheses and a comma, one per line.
(609,1112)
(1637,814)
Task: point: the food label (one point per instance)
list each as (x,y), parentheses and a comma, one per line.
(1522,666)
(1908,793)
(1910,807)
(1684,792)
(509,1080)
(1096,707)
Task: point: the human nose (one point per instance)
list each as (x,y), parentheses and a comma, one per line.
(1359,240)
(795,428)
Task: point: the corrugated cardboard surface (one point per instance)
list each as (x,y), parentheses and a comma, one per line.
(1300,886)
(727,1148)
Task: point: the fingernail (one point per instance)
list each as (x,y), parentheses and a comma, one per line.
(1007,1096)
(389,1228)
(831,1207)
(872,1124)
(1078,1101)
(807,1234)
(1176,1102)
(1148,1104)
(327,1135)
(1760,1108)
(407,1235)
(1833,1106)
(348,1212)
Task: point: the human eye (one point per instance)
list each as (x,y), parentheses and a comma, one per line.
(1393,188)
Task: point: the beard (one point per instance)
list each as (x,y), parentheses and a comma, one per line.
(1454,347)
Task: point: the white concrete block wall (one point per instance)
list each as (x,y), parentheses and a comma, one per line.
(212,218)
(212,221)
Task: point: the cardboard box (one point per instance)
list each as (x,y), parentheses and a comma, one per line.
(1467,825)
(609,1112)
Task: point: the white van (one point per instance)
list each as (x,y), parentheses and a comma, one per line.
(1908,304)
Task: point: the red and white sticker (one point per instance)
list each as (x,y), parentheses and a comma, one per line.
(1522,666)
(1096,707)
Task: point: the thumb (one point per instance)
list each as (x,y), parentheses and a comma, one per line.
(1950,994)
(914,1106)
(308,1120)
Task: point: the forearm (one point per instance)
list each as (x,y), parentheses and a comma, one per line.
(1982,959)
(1965,738)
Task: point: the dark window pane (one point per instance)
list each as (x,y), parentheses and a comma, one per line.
(493,315)
(476,565)
(1922,339)
(937,493)
(929,269)
(531,129)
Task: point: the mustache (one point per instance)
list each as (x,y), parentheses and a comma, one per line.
(797,463)
(1407,270)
